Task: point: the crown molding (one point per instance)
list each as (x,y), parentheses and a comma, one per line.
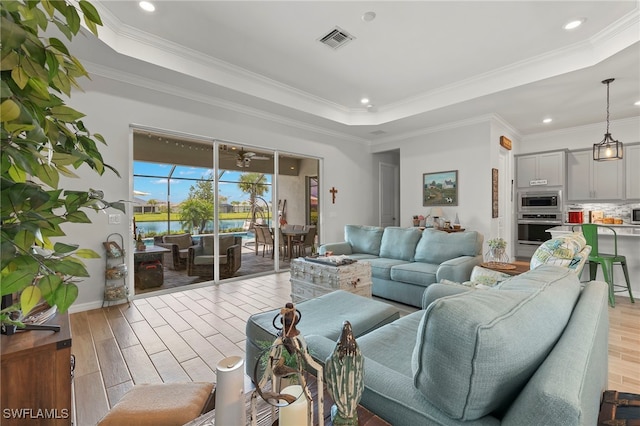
(129,41)
(150,84)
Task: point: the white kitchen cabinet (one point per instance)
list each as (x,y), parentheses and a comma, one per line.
(594,180)
(631,155)
(541,169)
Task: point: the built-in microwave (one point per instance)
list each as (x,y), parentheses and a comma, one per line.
(635,216)
(540,200)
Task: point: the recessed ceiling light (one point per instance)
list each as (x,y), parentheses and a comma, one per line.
(547,120)
(364,101)
(147,6)
(637,103)
(369,16)
(573,24)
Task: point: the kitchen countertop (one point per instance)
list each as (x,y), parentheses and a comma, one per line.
(621,230)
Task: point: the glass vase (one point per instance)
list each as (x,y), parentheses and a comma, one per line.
(497,255)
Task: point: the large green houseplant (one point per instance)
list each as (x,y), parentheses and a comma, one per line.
(42,139)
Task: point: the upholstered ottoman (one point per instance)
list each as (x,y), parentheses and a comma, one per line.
(322,316)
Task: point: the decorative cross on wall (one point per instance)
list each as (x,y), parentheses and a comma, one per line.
(333,192)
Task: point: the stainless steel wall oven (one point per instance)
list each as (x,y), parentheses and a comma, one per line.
(537,212)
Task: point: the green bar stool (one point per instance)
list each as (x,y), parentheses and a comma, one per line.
(590,232)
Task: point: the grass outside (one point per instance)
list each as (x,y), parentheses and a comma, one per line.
(155,217)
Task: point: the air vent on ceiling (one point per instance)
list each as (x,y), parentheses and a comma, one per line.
(336,38)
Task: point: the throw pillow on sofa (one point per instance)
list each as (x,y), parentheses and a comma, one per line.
(560,251)
(475,350)
(399,243)
(438,246)
(363,239)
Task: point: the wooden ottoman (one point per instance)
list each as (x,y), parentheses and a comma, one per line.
(322,316)
(164,404)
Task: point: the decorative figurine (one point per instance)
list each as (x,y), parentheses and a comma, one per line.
(290,340)
(344,374)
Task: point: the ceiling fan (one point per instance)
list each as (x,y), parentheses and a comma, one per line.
(244,158)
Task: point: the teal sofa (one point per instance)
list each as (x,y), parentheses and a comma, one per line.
(405,261)
(531,351)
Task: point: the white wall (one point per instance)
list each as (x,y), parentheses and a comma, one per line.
(112,107)
(465,149)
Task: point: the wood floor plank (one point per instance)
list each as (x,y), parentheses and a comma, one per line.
(169,369)
(91,399)
(175,343)
(199,371)
(109,355)
(131,313)
(122,331)
(140,366)
(79,324)
(197,323)
(210,354)
(99,325)
(148,337)
(85,353)
(174,319)
(115,393)
(151,315)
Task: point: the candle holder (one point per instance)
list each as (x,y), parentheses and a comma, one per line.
(269,386)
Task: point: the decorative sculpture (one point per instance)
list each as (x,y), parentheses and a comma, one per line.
(344,374)
(289,339)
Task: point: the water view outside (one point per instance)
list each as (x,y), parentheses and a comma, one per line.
(160,227)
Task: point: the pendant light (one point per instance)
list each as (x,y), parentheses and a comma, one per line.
(609,148)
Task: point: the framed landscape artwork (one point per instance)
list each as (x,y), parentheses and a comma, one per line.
(440,189)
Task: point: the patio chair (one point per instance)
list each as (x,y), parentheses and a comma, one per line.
(179,245)
(201,260)
(307,241)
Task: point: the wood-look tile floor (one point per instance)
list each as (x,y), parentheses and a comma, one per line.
(181,337)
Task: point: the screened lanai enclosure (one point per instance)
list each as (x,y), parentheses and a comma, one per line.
(210,210)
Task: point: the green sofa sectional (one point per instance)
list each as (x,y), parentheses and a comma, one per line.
(530,351)
(405,261)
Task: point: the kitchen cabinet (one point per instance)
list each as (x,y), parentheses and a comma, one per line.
(594,180)
(631,155)
(541,169)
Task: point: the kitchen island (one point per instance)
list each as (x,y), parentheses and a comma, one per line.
(628,245)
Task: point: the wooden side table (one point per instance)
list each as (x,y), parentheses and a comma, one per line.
(518,267)
(37,376)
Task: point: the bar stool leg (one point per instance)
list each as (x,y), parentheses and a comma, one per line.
(626,277)
(607,272)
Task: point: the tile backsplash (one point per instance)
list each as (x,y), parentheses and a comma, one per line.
(620,210)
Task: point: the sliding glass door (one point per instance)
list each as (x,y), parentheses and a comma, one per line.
(227,198)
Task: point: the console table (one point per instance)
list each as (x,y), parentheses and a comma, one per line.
(37,376)
(311,279)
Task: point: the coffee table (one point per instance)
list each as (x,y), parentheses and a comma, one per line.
(365,417)
(310,279)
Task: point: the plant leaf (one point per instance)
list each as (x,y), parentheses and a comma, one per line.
(9,111)
(65,295)
(48,285)
(20,77)
(29,298)
(15,282)
(65,113)
(49,175)
(87,254)
(62,248)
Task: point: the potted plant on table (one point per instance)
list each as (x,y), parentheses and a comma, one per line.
(497,251)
